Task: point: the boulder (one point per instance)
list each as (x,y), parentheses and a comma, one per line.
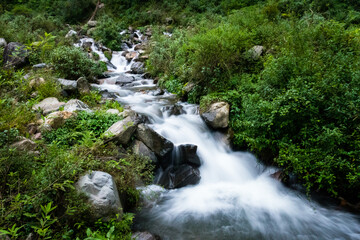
(49,105)
(76,105)
(217,115)
(92,23)
(187,155)
(3,42)
(65,84)
(113,111)
(24,145)
(142,46)
(137,68)
(15,55)
(256,52)
(124,79)
(121,131)
(140,148)
(101,190)
(105,94)
(183,176)
(144,236)
(157,143)
(36,82)
(56,120)
(70,34)
(174,110)
(130,56)
(83,86)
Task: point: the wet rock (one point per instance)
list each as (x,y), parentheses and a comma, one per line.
(83,86)
(144,236)
(113,111)
(70,34)
(56,120)
(184,175)
(105,94)
(92,23)
(36,82)
(69,85)
(187,155)
(40,66)
(278,175)
(3,42)
(130,56)
(24,145)
(174,110)
(138,68)
(157,143)
(142,46)
(158,92)
(256,52)
(48,105)
(140,148)
(15,55)
(121,131)
(123,79)
(76,105)
(217,115)
(101,189)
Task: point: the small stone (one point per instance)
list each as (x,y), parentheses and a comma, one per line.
(92,23)
(113,111)
(3,43)
(67,84)
(36,82)
(70,34)
(39,66)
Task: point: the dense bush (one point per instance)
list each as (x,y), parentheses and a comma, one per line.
(108,33)
(83,127)
(72,63)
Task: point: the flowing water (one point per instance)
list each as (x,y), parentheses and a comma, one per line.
(236,198)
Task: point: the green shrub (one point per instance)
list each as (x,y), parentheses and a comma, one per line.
(107,32)
(86,124)
(72,63)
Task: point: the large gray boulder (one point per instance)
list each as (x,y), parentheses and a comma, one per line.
(157,143)
(76,105)
(65,84)
(15,55)
(49,105)
(217,115)
(103,195)
(138,68)
(123,79)
(24,145)
(83,86)
(3,42)
(122,131)
(141,149)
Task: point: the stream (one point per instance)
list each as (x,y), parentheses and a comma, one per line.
(236,197)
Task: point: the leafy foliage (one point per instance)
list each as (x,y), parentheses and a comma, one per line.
(72,63)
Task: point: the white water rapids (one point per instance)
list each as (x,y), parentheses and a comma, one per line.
(236,198)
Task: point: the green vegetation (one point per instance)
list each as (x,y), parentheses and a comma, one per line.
(296,104)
